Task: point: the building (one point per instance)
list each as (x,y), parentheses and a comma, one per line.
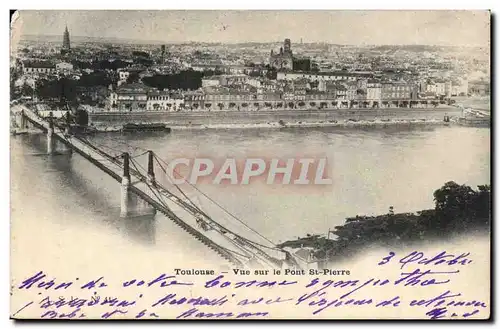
(302,64)
(164,101)
(301,84)
(326,76)
(123,75)
(162,57)
(284,59)
(194,100)
(324,85)
(440,88)
(374,92)
(212,81)
(64,67)
(396,91)
(38,67)
(130,97)
(224,80)
(66,46)
(351,90)
(479,88)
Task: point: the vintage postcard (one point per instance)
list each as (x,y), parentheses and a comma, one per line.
(201,165)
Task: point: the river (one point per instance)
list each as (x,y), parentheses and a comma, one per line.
(63,200)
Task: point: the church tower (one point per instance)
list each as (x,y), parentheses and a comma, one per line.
(66,45)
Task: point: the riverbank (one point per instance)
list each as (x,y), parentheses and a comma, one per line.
(113,121)
(449,218)
(284,125)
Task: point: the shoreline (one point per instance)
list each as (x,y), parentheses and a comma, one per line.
(109,122)
(278,125)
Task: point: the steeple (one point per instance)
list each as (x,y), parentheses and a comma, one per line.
(66,42)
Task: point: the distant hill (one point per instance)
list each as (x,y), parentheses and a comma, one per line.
(83,39)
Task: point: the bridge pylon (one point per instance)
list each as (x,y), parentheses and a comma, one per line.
(21,121)
(50,136)
(151,171)
(67,129)
(125,197)
(131,205)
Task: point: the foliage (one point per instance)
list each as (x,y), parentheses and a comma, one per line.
(140,54)
(458,209)
(94,79)
(272,74)
(133,77)
(186,80)
(58,89)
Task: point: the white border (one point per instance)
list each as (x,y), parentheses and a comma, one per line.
(190,4)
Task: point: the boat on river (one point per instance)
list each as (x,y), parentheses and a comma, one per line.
(145,127)
(474,118)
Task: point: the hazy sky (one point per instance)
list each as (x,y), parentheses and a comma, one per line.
(343,27)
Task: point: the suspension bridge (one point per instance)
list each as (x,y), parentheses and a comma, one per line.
(143,194)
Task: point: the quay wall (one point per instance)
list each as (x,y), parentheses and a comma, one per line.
(261,117)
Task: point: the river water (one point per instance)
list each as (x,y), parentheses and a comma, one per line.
(62,200)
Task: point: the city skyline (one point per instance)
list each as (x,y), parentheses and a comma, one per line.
(462,28)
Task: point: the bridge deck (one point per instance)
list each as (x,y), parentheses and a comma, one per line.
(233,241)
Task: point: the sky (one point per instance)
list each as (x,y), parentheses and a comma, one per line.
(450,28)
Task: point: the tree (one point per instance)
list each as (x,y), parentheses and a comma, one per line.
(185,80)
(63,90)
(140,54)
(272,74)
(94,79)
(26,90)
(133,77)
(82,118)
(453,203)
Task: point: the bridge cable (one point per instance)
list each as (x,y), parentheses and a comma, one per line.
(176,185)
(126,144)
(120,152)
(226,211)
(166,206)
(203,213)
(117,162)
(158,197)
(198,209)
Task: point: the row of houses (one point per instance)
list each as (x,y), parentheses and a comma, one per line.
(45,67)
(377,89)
(138,97)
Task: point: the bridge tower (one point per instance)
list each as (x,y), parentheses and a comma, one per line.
(67,129)
(132,205)
(50,135)
(21,121)
(124,208)
(151,172)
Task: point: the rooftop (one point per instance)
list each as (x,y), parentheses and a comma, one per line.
(39,64)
